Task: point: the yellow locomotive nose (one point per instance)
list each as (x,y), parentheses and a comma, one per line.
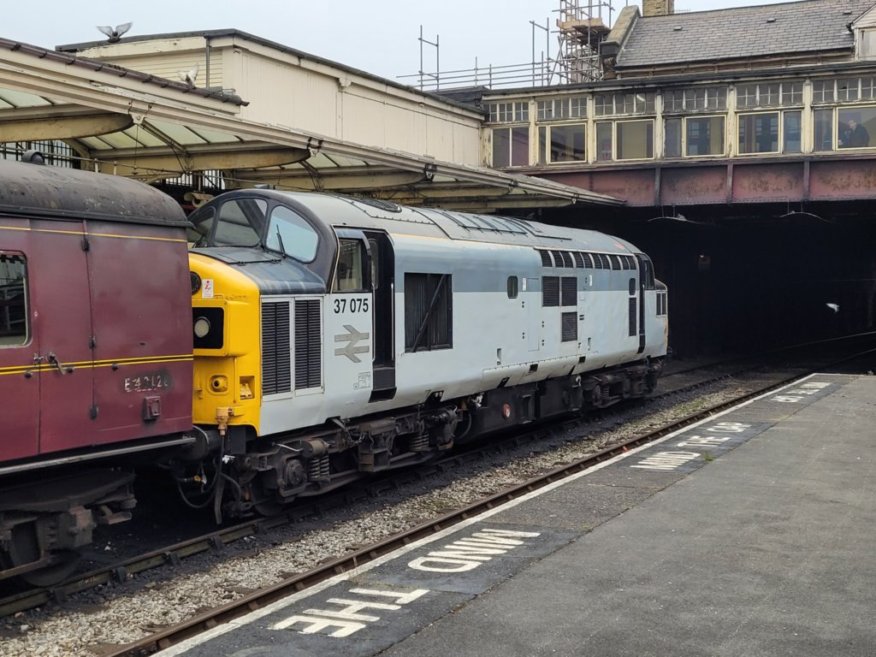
(225,324)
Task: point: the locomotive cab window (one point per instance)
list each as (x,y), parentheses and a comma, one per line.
(13,300)
(240,223)
(291,235)
(351,273)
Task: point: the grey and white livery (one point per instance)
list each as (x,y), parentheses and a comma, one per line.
(413,329)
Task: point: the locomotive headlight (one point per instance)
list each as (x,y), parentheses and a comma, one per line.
(202,327)
(196,282)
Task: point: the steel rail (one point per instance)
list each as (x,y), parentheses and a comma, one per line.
(305,508)
(202,622)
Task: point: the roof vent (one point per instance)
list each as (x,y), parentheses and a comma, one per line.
(676,28)
(847,12)
(771,20)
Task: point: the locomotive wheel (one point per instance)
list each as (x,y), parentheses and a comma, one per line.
(24,549)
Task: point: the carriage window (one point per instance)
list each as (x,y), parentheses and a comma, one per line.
(13,300)
(350,275)
(291,235)
(240,223)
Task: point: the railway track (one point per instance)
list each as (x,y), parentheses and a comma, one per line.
(215,541)
(174,554)
(258,599)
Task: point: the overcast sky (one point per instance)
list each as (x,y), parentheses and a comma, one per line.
(378,36)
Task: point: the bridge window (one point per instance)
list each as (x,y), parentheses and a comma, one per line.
(772,94)
(759,133)
(13,300)
(574,107)
(854,127)
(823,92)
(561,143)
(508,112)
(624,103)
(703,135)
(625,140)
(844,90)
(695,99)
(511,147)
(792,132)
(635,140)
(822,124)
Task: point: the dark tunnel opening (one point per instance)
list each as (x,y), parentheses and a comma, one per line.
(751,283)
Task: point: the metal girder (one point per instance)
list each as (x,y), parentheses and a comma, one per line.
(482,205)
(15,125)
(344,179)
(156,162)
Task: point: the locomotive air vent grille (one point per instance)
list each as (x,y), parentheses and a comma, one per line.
(308,344)
(569,291)
(546,259)
(550,290)
(276,361)
(570,327)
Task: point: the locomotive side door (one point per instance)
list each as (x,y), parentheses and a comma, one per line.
(61,312)
(646,274)
(382,281)
(348,324)
(19,374)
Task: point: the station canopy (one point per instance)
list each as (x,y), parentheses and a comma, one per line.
(120,121)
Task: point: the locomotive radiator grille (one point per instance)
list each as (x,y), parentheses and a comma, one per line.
(569,327)
(308,370)
(276,349)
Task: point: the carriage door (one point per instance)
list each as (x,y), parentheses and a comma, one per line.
(382,280)
(19,376)
(61,312)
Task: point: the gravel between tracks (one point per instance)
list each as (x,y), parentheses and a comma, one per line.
(119,614)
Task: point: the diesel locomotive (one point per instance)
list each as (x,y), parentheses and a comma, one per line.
(276,345)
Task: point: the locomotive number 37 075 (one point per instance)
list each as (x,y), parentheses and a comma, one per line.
(352,305)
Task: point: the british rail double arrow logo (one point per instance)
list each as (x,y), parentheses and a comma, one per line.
(352,339)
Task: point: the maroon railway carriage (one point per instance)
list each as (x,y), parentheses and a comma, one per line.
(95,351)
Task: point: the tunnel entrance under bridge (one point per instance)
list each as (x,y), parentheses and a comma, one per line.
(760,277)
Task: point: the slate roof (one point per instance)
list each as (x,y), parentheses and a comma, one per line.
(792,27)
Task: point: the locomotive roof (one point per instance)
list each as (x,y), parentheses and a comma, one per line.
(57,193)
(340,211)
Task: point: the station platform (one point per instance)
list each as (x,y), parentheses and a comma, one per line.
(750,534)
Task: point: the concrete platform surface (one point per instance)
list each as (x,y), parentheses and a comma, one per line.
(752,534)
